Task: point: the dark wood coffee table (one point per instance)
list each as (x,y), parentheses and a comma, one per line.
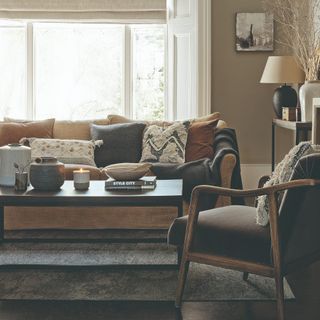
(168,193)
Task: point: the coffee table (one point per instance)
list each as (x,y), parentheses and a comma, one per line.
(168,193)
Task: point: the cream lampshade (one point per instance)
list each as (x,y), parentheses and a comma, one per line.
(283,70)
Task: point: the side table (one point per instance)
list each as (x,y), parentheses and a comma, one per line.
(301,130)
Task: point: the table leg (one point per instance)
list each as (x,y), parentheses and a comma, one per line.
(273,148)
(1,223)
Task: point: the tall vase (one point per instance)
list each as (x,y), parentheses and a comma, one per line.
(308,91)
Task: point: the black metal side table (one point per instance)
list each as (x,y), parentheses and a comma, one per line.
(301,130)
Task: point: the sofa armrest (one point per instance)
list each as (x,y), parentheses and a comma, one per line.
(222,170)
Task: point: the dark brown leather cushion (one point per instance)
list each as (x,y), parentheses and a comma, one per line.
(95,173)
(230,231)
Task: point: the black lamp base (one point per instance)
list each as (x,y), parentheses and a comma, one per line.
(284,96)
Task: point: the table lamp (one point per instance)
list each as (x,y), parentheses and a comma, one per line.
(283,70)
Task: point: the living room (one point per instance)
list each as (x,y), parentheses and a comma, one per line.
(159,159)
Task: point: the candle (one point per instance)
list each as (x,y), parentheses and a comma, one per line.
(81,179)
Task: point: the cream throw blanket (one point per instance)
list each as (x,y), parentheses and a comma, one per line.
(282,174)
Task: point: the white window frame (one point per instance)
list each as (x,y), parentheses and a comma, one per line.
(127,86)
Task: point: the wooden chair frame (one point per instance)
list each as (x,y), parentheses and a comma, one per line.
(275,271)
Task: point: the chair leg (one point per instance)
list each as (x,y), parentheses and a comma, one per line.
(183,272)
(245,276)
(280,297)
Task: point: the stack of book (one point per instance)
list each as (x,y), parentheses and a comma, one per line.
(145,183)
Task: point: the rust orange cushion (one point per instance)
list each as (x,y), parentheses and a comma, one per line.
(12,132)
(200,140)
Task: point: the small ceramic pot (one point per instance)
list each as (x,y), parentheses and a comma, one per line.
(47,174)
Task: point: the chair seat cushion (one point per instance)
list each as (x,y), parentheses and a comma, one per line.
(230,231)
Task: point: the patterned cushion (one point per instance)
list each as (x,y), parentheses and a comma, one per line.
(66,151)
(165,144)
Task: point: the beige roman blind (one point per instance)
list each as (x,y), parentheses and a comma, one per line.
(99,10)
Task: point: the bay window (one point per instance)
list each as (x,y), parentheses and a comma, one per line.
(81,59)
(82,70)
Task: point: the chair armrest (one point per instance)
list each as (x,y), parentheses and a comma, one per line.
(255,192)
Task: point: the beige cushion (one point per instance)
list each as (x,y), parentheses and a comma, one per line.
(79,130)
(166,145)
(65,150)
(115,119)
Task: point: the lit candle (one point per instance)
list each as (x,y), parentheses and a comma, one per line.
(81,179)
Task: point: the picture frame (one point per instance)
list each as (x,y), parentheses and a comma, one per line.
(254,32)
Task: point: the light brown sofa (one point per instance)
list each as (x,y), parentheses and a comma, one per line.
(91,218)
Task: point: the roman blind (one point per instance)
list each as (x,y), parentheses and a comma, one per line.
(99,10)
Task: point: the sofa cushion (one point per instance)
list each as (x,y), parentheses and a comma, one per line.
(65,150)
(200,133)
(12,132)
(200,140)
(165,144)
(95,173)
(229,231)
(121,143)
(79,130)
(116,119)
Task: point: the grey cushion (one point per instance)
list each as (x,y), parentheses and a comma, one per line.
(121,143)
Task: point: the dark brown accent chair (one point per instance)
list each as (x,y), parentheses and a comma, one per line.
(229,237)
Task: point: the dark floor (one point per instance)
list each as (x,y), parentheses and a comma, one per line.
(306,286)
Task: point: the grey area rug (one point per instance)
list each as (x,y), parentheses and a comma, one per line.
(204,283)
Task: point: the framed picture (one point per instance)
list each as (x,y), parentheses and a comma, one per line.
(254,32)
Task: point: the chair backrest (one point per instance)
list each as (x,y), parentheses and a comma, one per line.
(300,214)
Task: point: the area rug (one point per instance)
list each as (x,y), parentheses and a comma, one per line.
(204,283)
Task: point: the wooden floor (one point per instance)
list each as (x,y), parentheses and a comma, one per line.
(305,284)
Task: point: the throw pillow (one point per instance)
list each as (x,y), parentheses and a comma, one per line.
(12,132)
(165,144)
(78,129)
(200,140)
(116,119)
(281,174)
(66,151)
(121,143)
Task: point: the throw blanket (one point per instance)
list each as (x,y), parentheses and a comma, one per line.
(281,174)
(205,171)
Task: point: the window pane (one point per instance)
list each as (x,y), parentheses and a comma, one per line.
(12,71)
(78,70)
(148,72)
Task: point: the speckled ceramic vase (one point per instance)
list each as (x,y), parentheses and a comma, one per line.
(47,174)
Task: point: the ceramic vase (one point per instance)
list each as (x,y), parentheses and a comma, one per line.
(308,91)
(47,174)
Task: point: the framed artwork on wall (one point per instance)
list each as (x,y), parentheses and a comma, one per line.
(254,32)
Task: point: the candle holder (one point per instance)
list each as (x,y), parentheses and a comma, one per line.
(81,179)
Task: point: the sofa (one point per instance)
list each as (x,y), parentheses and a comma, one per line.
(222,169)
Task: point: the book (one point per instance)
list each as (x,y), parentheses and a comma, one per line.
(145,181)
(127,188)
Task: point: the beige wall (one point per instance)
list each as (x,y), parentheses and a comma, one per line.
(236,92)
